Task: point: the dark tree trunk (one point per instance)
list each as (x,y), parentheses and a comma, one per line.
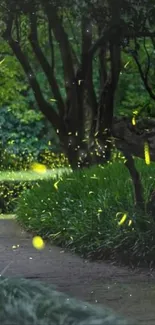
(138,188)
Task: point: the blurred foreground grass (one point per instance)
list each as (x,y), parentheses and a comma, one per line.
(7,216)
(31,175)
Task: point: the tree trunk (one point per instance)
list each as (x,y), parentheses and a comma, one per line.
(138,188)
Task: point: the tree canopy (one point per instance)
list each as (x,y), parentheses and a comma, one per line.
(94,46)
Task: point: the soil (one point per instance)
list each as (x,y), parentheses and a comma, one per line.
(129,292)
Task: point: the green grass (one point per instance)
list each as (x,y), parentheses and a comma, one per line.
(82,212)
(12,184)
(30,175)
(7,217)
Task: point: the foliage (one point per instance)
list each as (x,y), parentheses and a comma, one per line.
(23,138)
(28,301)
(48,66)
(20,126)
(131,95)
(53,160)
(12,80)
(55,56)
(79,68)
(12,184)
(10,191)
(82,211)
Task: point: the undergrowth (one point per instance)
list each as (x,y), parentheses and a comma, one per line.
(83,210)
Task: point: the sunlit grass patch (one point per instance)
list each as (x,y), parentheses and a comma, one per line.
(30,175)
(12,184)
(7,217)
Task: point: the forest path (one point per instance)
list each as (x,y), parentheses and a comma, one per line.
(131,293)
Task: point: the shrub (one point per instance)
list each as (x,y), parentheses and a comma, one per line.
(10,161)
(10,191)
(84,211)
(26,302)
(26,137)
(23,135)
(53,160)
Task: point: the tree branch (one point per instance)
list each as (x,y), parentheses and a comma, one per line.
(33,37)
(115,51)
(87,87)
(143,76)
(106,104)
(87,74)
(51,46)
(153,41)
(124,34)
(103,67)
(72,114)
(75,40)
(138,188)
(45,107)
(148,58)
(62,39)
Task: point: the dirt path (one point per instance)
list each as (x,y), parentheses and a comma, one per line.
(130,293)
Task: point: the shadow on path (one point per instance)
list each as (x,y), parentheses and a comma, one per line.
(132,293)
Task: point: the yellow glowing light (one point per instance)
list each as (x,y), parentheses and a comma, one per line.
(147,153)
(133,120)
(2,61)
(53,100)
(122,219)
(94,177)
(38,168)
(126,64)
(38,242)
(79,82)
(56,185)
(135,112)
(130,222)
(15,246)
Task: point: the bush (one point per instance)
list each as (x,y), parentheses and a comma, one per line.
(26,137)
(10,161)
(53,160)
(10,191)
(23,135)
(84,211)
